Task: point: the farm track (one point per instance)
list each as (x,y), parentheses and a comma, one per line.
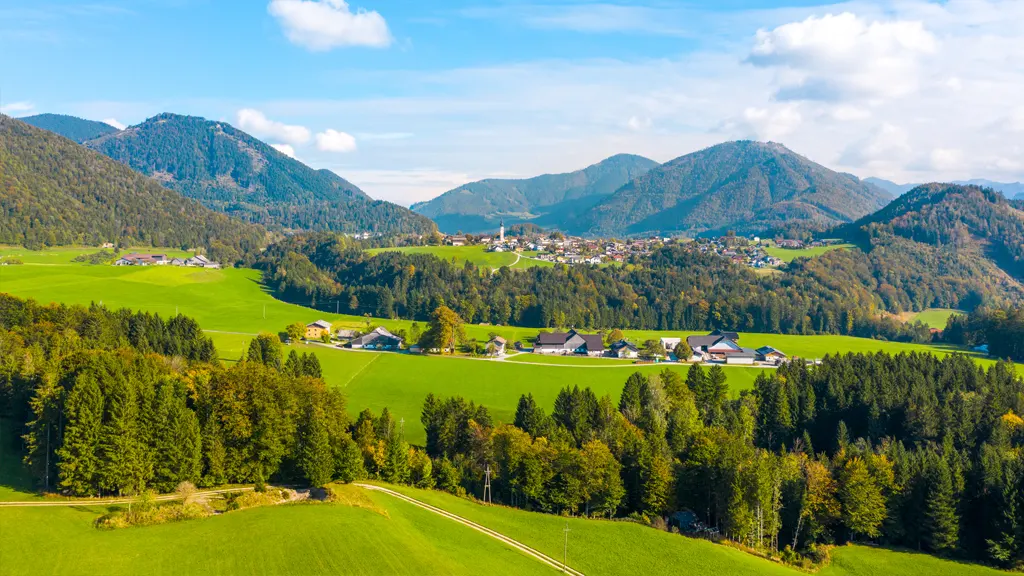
(531,552)
(110,501)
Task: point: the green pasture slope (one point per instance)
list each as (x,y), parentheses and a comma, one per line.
(788,255)
(596,547)
(305,539)
(478,255)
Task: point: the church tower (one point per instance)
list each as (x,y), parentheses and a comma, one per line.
(501,231)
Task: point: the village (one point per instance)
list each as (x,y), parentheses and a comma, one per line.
(135,259)
(717,347)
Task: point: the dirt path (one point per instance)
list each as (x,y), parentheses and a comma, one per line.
(535,554)
(109,501)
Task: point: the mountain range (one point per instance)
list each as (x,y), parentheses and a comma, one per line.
(232,172)
(547,200)
(55,192)
(1008,189)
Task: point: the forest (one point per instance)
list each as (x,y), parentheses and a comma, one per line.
(677,288)
(909,450)
(1001,329)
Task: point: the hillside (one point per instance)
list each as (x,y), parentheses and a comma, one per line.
(54,192)
(232,172)
(547,200)
(70,127)
(749,187)
(1012,190)
(962,221)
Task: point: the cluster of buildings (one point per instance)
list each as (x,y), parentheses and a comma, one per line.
(718,347)
(562,249)
(744,251)
(134,259)
(377,339)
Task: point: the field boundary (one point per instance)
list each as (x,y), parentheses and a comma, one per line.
(535,554)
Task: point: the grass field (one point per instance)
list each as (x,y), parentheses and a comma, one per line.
(867,561)
(478,255)
(788,255)
(302,539)
(935,317)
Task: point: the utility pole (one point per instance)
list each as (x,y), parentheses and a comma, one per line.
(402,422)
(487,485)
(264,311)
(565,548)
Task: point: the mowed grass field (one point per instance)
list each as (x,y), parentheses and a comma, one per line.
(307,539)
(478,255)
(788,254)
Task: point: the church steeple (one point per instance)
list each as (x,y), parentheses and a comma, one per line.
(501,231)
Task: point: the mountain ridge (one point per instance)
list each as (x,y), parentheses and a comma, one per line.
(233,172)
(71,127)
(1011,190)
(545,200)
(744,186)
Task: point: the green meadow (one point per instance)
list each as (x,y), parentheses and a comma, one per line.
(382,536)
(788,254)
(478,255)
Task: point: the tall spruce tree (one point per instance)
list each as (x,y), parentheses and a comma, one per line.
(941,522)
(316,459)
(126,468)
(79,455)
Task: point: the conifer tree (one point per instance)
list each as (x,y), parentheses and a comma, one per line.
(311,366)
(530,416)
(79,456)
(317,458)
(396,460)
(861,500)
(941,523)
(293,364)
(632,394)
(126,468)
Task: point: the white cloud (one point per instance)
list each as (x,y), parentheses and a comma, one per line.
(845,113)
(321,25)
(113,122)
(834,57)
(638,123)
(17,108)
(285,149)
(334,141)
(259,125)
(766,124)
(885,147)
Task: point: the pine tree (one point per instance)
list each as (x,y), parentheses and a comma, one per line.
(530,417)
(861,500)
(292,365)
(632,393)
(177,444)
(396,460)
(655,477)
(348,460)
(79,456)
(125,469)
(941,524)
(317,458)
(311,366)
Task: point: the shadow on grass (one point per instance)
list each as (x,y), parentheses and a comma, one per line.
(12,472)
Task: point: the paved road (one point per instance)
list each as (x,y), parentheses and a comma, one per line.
(535,554)
(109,501)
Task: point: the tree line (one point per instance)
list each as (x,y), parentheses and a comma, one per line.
(1001,329)
(908,450)
(677,288)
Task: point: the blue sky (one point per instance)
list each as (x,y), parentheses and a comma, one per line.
(409,99)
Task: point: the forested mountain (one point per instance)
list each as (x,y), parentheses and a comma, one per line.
(547,200)
(55,192)
(230,171)
(1008,189)
(70,127)
(950,223)
(748,187)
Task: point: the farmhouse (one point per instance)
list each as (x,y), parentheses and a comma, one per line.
(316,330)
(496,346)
(771,355)
(721,346)
(378,339)
(345,333)
(623,349)
(571,342)
(134,259)
(670,343)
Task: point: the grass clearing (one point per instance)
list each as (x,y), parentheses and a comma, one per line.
(789,254)
(870,561)
(935,317)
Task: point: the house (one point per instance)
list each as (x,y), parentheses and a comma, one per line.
(197,260)
(345,334)
(670,343)
(458,240)
(177,262)
(134,259)
(743,356)
(378,339)
(108,245)
(720,345)
(496,346)
(316,330)
(623,349)
(770,355)
(571,342)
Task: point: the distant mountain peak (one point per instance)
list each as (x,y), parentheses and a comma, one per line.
(71,127)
